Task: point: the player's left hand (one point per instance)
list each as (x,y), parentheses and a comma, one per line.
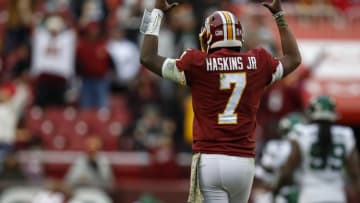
(164,5)
(274,6)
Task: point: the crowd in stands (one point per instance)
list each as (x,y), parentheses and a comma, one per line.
(70,79)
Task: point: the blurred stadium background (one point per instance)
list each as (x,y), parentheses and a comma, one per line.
(81,120)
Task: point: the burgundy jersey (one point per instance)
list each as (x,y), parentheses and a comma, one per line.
(226,88)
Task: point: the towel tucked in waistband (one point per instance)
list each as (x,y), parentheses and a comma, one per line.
(194,192)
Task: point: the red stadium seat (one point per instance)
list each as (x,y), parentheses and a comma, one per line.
(118,102)
(70,114)
(122,116)
(55,142)
(53,113)
(93,116)
(109,133)
(77,142)
(33,119)
(47,128)
(60,115)
(76,135)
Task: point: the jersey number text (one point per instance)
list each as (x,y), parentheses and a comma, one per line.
(334,160)
(239,81)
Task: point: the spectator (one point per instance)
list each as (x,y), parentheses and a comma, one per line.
(183,21)
(11,172)
(16,39)
(17,62)
(52,61)
(146,91)
(89,10)
(129,14)
(55,191)
(34,165)
(57,6)
(91,169)
(93,62)
(18,24)
(13,96)
(125,55)
(148,128)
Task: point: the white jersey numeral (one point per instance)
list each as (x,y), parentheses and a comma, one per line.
(226,80)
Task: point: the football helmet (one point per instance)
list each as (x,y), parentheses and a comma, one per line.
(321,108)
(289,121)
(221,29)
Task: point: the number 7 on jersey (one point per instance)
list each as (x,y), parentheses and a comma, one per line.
(239,80)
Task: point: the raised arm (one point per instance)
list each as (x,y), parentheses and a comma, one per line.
(149,56)
(352,166)
(291,58)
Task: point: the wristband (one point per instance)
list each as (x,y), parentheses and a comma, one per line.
(280,19)
(151,21)
(278,14)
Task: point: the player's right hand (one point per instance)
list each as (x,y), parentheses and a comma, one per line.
(274,6)
(164,5)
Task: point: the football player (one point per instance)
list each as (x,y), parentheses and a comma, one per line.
(322,151)
(274,155)
(226,85)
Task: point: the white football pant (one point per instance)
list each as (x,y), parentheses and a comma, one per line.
(225,179)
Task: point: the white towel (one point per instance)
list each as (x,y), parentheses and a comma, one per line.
(194,192)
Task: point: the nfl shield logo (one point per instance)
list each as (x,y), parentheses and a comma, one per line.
(219,33)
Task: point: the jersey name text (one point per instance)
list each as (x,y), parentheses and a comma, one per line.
(229,63)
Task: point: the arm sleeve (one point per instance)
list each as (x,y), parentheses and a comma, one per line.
(173,73)
(278,73)
(185,63)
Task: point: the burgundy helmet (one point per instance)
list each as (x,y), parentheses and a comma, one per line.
(222,29)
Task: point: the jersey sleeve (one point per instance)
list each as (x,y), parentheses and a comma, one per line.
(190,60)
(273,66)
(185,61)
